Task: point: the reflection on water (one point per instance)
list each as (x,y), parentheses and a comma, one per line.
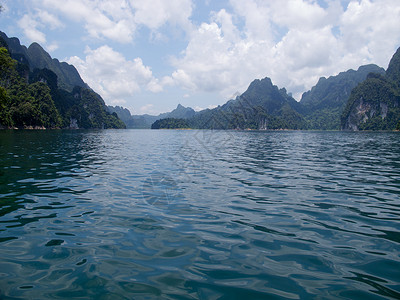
(199,215)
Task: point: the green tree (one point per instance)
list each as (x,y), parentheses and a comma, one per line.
(7,67)
(49,117)
(32,105)
(170,123)
(5,118)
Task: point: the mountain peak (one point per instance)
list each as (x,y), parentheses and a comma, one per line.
(260,83)
(181,112)
(35,45)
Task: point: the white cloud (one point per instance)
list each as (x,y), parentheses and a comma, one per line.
(114,77)
(52,47)
(118,20)
(102,19)
(29,26)
(218,59)
(156,13)
(211,61)
(371,30)
(292,41)
(299,14)
(147,109)
(34,24)
(198,108)
(48,19)
(256,14)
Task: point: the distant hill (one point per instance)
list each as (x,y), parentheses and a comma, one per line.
(375,103)
(32,95)
(145,121)
(180,112)
(123,113)
(323,105)
(36,57)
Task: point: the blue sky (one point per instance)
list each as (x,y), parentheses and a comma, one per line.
(149,56)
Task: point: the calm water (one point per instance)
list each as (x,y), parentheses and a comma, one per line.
(140,214)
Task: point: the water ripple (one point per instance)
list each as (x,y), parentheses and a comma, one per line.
(199,215)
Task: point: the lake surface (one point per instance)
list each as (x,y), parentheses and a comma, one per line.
(186,214)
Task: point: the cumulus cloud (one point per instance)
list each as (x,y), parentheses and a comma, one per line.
(147,109)
(292,41)
(156,13)
(370,29)
(118,20)
(102,19)
(299,14)
(48,19)
(256,15)
(30,27)
(52,47)
(34,24)
(113,76)
(212,61)
(199,108)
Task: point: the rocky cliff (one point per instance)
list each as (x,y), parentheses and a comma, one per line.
(375,103)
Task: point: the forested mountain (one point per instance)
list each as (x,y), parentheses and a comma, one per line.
(180,112)
(123,113)
(38,91)
(323,105)
(31,97)
(262,106)
(375,103)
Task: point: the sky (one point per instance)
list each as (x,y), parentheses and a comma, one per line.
(149,56)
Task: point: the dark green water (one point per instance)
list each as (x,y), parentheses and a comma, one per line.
(137,214)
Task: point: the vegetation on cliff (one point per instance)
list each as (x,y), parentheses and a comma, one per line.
(323,105)
(38,91)
(33,99)
(375,103)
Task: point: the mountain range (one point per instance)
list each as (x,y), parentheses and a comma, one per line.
(145,121)
(265,106)
(37,90)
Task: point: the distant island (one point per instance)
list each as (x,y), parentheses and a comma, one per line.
(171,123)
(37,91)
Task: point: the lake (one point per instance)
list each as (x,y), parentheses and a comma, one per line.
(197,214)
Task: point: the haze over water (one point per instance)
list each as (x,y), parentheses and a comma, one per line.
(187,214)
